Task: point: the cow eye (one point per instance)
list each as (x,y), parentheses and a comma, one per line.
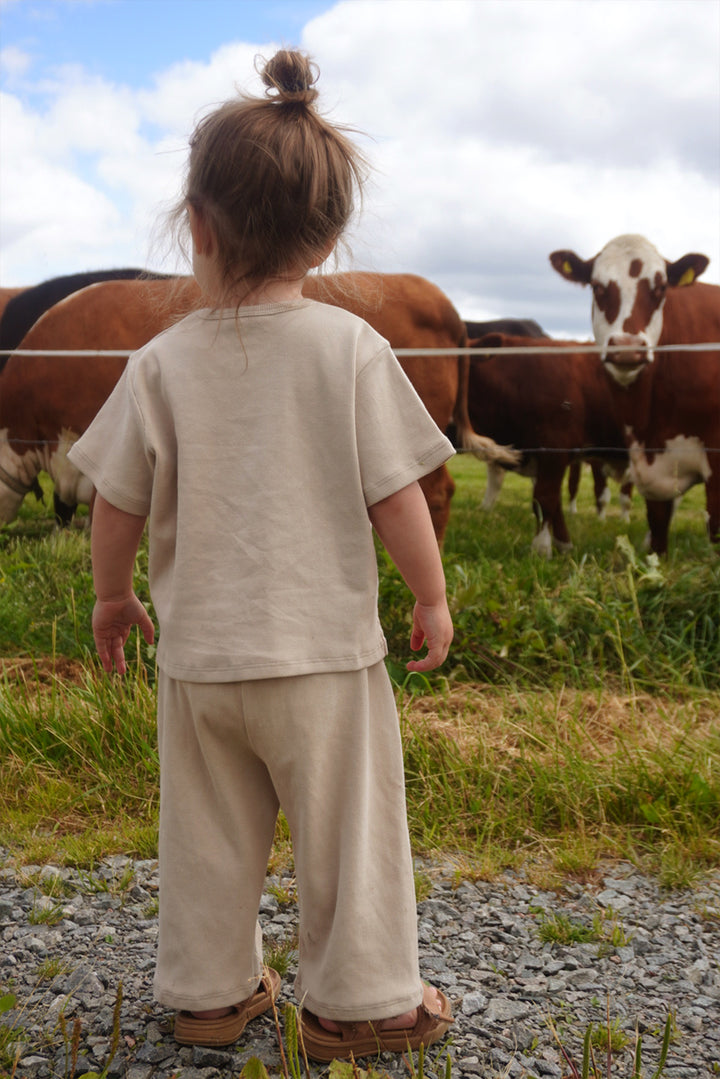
(598,291)
(659,291)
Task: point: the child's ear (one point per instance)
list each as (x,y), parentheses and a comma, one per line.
(202,234)
(325,253)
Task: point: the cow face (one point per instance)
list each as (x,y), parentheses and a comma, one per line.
(629,280)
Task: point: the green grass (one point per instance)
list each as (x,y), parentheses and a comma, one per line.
(575,719)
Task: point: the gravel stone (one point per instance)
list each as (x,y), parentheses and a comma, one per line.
(64,955)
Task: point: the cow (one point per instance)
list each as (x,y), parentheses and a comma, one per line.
(6,295)
(27,305)
(668,402)
(527,327)
(520,327)
(554,407)
(46,402)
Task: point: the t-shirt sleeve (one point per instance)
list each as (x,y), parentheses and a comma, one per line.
(113,452)
(398,441)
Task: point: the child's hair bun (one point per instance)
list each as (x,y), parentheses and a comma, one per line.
(289,78)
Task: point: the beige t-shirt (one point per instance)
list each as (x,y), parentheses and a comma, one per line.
(255,442)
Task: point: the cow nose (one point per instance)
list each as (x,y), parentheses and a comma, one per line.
(628,349)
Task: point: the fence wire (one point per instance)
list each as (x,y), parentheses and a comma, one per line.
(578,452)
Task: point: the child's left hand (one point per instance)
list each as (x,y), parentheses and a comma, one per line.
(112,621)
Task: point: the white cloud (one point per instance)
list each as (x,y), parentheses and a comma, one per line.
(499,131)
(14,62)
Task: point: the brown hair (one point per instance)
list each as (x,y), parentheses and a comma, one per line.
(274,180)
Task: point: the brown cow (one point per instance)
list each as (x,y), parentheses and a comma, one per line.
(667,402)
(46,402)
(547,405)
(527,327)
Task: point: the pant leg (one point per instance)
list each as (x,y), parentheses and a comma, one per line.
(217,819)
(340,779)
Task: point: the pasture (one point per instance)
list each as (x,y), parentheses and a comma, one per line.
(575,721)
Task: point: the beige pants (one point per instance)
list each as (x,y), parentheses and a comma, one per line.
(326,748)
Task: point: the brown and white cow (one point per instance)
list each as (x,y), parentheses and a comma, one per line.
(46,402)
(667,402)
(525,327)
(552,406)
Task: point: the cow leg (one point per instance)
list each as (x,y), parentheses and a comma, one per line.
(625,501)
(659,515)
(574,474)
(438,488)
(601,489)
(547,503)
(64,512)
(495,477)
(712,496)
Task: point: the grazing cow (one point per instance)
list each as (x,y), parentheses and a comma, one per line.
(548,414)
(667,402)
(46,402)
(27,305)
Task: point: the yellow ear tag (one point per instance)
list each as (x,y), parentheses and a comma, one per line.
(566,268)
(687,278)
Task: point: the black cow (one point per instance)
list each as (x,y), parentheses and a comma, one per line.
(515,327)
(22,311)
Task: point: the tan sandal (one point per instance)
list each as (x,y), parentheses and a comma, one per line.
(368,1039)
(226,1030)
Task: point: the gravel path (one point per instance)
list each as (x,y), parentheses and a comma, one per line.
(481,943)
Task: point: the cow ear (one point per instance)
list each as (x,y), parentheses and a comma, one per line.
(686,269)
(571,267)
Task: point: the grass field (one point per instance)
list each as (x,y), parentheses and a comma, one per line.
(575,721)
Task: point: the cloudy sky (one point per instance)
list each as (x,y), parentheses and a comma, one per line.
(499,130)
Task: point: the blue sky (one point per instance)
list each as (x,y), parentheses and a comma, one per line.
(126,41)
(498,130)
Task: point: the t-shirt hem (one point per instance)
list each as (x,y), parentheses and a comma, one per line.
(248,672)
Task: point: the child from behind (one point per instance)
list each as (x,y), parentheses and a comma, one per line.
(260,438)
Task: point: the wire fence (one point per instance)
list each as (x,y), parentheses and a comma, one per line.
(578,452)
(498,350)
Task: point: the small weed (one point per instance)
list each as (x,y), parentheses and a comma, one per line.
(560,929)
(152,909)
(11,1039)
(284,892)
(50,914)
(281,954)
(609,1040)
(94,884)
(708,914)
(49,884)
(609,1036)
(71,1041)
(423,886)
(50,969)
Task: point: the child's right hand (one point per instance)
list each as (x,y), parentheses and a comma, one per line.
(432,625)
